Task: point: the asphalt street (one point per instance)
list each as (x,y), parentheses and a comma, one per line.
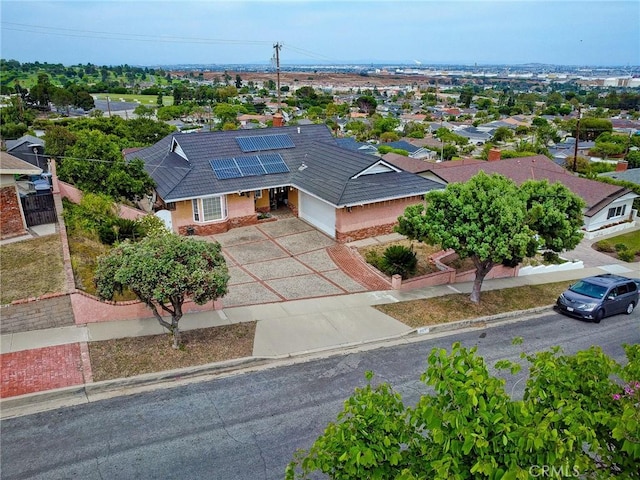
(248,425)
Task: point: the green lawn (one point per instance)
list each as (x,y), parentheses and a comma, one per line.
(626,247)
(147,100)
(631,240)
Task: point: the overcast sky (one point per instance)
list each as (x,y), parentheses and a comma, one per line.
(141,32)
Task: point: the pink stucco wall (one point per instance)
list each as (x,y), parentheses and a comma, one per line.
(367,216)
(447,275)
(238,206)
(75,195)
(88,309)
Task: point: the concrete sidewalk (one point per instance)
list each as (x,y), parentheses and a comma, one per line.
(298,326)
(58,358)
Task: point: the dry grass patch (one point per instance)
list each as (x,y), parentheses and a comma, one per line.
(451,308)
(30,268)
(84,253)
(127,357)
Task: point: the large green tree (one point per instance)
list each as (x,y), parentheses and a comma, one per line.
(484,219)
(554,213)
(163,271)
(578,417)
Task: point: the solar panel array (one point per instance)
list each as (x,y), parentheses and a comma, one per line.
(248,166)
(259,143)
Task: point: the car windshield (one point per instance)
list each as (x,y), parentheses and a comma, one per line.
(588,289)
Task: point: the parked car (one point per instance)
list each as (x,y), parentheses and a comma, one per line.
(594,298)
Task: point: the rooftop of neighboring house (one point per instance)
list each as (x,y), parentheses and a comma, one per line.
(537,167)
(632,175)
(407,164)
(10,165)
(402,145)
(29,139)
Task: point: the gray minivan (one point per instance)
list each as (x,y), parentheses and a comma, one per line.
(594,298)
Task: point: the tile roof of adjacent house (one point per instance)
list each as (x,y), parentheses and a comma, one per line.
(179,164)
(407,164)
(595,194)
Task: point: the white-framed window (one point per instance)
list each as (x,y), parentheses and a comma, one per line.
(257,193)
(616,211)
(208,209)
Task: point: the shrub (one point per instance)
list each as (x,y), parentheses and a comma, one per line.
(152,225)
(604,246)
(373,258)
(551,257)
(399,260)
(626,255)
(620,247)
(120,229)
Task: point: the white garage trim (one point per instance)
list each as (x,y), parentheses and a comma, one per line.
(318,213)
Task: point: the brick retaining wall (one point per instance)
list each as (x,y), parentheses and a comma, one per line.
(48,311)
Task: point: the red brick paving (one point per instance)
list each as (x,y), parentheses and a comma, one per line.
(41,369)
(353,265)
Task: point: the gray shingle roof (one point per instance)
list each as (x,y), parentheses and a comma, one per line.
(328,174)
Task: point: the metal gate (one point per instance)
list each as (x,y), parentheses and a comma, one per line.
(39,209)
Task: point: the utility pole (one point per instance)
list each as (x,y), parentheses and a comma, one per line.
(575,148)
(277,48)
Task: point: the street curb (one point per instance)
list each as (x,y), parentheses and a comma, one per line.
(89,392)
(472,322)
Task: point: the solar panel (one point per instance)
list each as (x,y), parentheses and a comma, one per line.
(224,173)
(273,163)
(252,170)
(248,161)
(224,163)
(225,168)
(267,158)
(248,166)
(260,143)
(276,168)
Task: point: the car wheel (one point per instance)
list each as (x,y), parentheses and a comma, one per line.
(630,308)
(599,316)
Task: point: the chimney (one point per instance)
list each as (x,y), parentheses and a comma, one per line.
(278,120)
(494,155)
(621,166)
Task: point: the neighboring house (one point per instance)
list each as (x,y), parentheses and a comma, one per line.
(12,219)
(30,149)
(475,135)
(210,182)
(632,175)
(567,149)
(402,145)
(350,143)
(606,205)
(408,164)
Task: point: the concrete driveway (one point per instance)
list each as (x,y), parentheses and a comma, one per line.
(281,260)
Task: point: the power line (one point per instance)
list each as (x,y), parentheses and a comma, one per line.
(73,33)
(122,36)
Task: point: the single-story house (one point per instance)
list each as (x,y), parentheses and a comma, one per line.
(606,205)
(12,220)
(209,182)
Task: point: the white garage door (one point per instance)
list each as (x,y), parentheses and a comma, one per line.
(318,213)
